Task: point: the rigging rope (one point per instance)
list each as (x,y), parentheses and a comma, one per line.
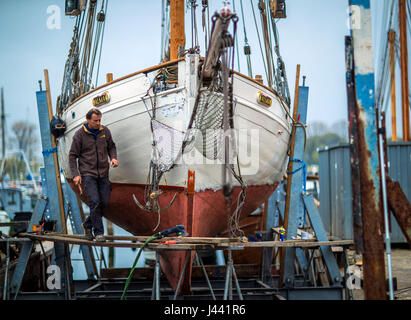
(236,42)
(247,48)
(79,68)
(206,23)
(383,77)
(259,40)
(191,4)
(101,45)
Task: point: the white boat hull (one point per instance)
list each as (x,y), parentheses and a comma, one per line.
(262,132)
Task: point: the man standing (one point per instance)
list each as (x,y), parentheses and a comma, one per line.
(92,146)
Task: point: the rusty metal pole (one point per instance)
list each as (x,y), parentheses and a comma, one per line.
(354,148)
(404,71)
(371,206)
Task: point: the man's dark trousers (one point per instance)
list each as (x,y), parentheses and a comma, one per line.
(98,195)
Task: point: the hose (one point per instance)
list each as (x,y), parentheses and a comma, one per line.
(153,237)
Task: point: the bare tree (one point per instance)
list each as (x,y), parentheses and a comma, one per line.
(340,127)
(316,128)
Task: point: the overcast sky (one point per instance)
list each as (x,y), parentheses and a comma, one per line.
(312,36)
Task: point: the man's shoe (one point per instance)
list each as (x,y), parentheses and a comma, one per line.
(100,238)
(87,233)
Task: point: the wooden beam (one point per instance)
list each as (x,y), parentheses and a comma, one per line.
(56,164)
(180,245)
(391,40)
(290,168)
(109,77)
(400,207)
(404,71)
(290,163)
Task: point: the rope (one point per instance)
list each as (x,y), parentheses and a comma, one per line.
(259,40)
(304,168)
(191,4)
(101,45)
(236,42)
(246,46)
(284,89)
(206,23)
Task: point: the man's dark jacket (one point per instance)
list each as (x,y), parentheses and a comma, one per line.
(92,152)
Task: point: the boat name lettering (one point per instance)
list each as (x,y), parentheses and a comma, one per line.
(101,99)
(263,99)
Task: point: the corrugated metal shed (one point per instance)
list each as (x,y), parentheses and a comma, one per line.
(335,187)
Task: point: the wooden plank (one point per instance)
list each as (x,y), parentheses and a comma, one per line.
(400,207)
(75,239)
(154,246)
(196,240)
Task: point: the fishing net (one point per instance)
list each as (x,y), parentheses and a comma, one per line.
(207,133)
(168,142)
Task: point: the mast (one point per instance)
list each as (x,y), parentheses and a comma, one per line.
(261,6)
(404,72)
(177,32)
(391,40)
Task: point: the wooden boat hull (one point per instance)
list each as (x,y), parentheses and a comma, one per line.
(263,138)
(207,218)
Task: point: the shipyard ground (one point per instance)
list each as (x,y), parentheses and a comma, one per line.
(401,270)
(252,288)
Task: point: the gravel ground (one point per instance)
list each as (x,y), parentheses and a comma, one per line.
(401,269)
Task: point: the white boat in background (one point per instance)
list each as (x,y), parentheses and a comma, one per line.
(173,172)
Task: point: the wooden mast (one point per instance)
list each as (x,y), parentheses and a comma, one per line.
(404,72)
(391,40)
(177,32)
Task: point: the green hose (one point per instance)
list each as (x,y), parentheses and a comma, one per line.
(153,237)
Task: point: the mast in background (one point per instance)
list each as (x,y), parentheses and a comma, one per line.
(391,40)
(404,71)
(177,32)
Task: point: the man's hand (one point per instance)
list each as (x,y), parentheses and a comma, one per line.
(114,163)
(77,180)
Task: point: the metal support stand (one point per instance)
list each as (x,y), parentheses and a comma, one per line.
(6,276)
(301,207)
(188,254)
(200,262)
(230,274)
(155,295)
